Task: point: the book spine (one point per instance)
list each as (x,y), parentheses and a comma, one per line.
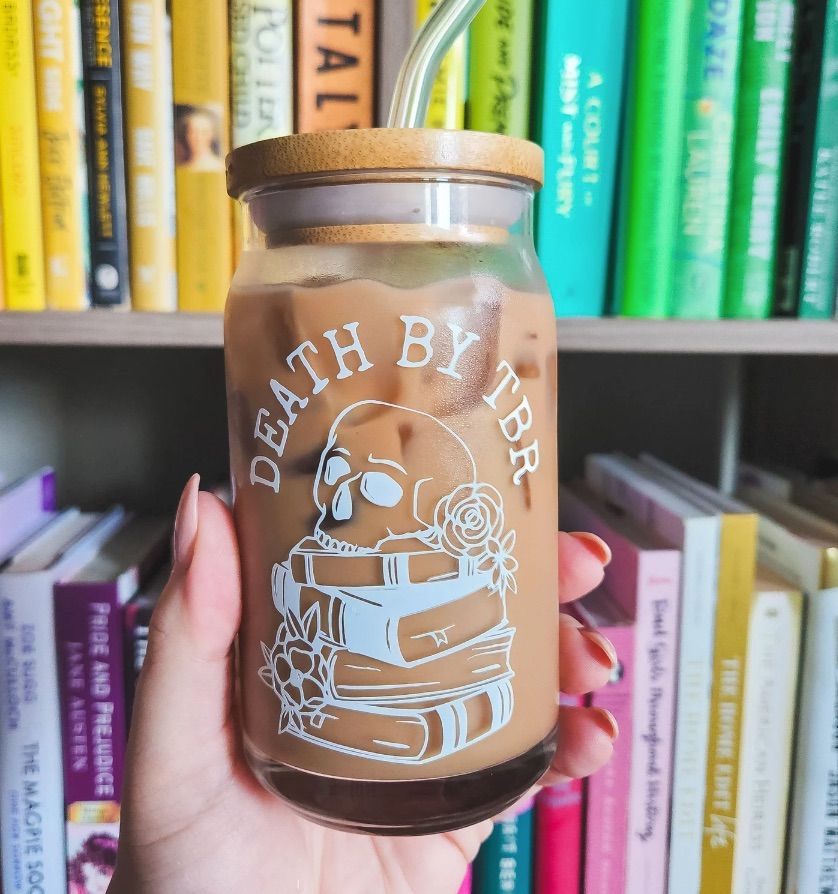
(31,805)
(20,192)
(57,28)
(706,160)
(465,885)
(812,856)
(137,617)
(757,172)
(607,790)
(150,154)
(500,58)
(447,107)
(817,288)
(25,508)
(204,243)
(107,208)
(737,567)
(579,94)
(655,126)
(767,725)
(335,57)
(504,863)
(804,79)
(396,20)
(655,665)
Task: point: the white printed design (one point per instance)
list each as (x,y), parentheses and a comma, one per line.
(393,642)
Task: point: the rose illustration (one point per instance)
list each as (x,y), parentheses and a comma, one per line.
(297,671)
(467,518)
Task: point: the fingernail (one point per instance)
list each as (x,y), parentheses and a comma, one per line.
(595,544)
(607,723)
(604,646)
(186,522)
(569,620)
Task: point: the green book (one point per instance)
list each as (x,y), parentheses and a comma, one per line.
(505,861)
(819,254)
(757,170)
(500,60)
(698,269)
(652,158)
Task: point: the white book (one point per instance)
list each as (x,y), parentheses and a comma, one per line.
(812,864)
(778,484)
(767,735)
(622,482)
(31,792)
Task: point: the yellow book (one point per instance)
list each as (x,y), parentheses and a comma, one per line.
(20,191)
(57,32)
(202,127)
(149,154)
(447,108)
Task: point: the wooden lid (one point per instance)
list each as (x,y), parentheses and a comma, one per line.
(382,149)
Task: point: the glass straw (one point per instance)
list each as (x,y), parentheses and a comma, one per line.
(448,20)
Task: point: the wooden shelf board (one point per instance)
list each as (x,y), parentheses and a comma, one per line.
(102,328)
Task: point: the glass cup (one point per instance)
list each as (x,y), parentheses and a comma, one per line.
(390,352)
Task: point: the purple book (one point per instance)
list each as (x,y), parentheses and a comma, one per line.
(26,505)
(91,670)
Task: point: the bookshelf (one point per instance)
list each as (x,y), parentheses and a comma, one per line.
(102,328)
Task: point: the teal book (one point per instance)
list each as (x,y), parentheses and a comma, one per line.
(651,163)
(757,168)
(817,286)
(698,262)
(504,864)
(579,94)
(500,62)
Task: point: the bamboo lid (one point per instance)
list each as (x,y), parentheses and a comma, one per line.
(382,149)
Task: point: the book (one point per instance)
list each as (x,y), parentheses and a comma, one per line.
(335,57)
(768,721)
(137,618)
(396,20)
(149,158)
(624,483)
(26,505)
(710,109)
(737,569)
(813,823)
(777,481)
(804,81)
(31,807)
(91,672)
(559,815)
(504,863)
(577,117)
(105,145)
(652,157)
(644,577)
(500,57)
(465,886)
(606,792)
(20,189)
(57,29)
(200,81)
(818,281)
(761,113)
(447,107)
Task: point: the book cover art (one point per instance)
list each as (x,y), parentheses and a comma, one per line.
(150,154)
(447,105)
(577,118)
(335,57)
(92,841)
(500,60)
(107,204)
(57,28)
(504,864)
(204,242)
(20,190)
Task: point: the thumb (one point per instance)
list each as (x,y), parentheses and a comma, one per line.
(182,722)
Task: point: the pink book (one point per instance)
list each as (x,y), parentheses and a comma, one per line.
(465,887)
(643,579)
(558,834)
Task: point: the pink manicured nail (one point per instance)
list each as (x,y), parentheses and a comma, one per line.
(607,723)
(595,544)
(186,523)
(603,645)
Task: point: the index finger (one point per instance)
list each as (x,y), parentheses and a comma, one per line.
(582,561)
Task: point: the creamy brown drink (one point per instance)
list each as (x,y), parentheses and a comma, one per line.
(392,404)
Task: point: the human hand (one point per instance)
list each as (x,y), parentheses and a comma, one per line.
(196,821)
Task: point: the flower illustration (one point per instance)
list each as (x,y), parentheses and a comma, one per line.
(297,670)
(467,518)
(498,559)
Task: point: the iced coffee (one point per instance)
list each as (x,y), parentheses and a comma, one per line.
(390,354)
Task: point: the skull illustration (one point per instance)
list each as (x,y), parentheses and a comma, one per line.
(382,473)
